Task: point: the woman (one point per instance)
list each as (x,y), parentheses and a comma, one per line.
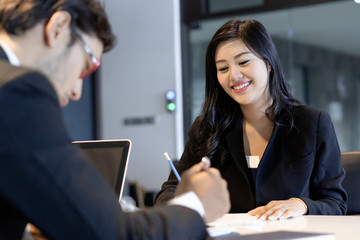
(281,159)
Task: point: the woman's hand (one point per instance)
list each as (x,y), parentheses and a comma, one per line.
(277,210)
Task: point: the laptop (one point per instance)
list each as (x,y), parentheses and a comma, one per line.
(111,158)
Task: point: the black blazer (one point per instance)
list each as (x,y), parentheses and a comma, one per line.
(301,162)
(47,181)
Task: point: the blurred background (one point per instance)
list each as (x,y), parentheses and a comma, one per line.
(161,46)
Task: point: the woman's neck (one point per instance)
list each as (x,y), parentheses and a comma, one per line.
(257,130)
(255,114)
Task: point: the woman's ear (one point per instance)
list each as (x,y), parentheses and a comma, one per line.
(57,28)
(268,66)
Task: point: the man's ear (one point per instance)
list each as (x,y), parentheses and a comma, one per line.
(57,27)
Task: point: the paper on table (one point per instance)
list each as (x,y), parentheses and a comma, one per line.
(280,235)
(230,222)
(219,231)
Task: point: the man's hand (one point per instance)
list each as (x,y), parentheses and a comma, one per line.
(275,210)
(209,186)
(36,234)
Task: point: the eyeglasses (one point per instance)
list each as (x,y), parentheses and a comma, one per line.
(94,60)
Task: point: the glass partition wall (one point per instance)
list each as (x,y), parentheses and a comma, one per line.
(319,48)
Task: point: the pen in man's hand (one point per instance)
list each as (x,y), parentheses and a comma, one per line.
(172,166)
(205,160)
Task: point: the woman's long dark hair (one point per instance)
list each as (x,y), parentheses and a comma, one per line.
(220,111)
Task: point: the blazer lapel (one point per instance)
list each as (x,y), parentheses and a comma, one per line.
(236,148)
(267,168)
(269,152)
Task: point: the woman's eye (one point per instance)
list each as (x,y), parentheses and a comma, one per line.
(222,69)
(244,62)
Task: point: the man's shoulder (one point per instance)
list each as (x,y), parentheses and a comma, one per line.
(23,79)
(9,72)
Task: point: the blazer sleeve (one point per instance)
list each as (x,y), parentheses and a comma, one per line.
(327,196)
(49,182)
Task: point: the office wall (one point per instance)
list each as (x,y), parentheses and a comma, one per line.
(134,78)
(79,115)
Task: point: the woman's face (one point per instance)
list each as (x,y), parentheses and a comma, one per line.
(242,74)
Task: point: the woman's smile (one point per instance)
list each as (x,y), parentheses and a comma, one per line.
(241,86)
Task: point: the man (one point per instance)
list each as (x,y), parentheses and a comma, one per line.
(47,47)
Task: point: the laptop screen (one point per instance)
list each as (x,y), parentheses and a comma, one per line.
(111,158)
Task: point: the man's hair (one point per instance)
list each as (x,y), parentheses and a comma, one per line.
(17,16)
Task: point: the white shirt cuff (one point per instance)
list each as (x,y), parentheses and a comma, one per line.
(189,200)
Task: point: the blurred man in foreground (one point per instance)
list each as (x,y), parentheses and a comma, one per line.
(46,48)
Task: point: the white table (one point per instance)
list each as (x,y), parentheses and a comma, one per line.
(344,227)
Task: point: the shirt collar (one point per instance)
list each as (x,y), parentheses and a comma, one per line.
(13,59)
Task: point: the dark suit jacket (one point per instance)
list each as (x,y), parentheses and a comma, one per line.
(46,180)
(302,162)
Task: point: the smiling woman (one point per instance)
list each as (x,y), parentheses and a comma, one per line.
(237,69)
(316,52)
(280,158)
